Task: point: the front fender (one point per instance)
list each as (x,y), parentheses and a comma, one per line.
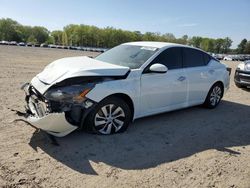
(129,87)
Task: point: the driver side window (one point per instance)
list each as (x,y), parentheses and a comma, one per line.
(171,58)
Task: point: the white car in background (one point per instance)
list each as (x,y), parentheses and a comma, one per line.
(228,58)
(242,75)
(130,81)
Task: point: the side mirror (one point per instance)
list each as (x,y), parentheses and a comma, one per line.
(158,68)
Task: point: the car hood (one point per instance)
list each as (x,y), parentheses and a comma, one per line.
(76,67)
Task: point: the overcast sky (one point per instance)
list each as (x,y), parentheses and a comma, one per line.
(206,18)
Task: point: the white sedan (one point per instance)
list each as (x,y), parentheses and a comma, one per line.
(133,80)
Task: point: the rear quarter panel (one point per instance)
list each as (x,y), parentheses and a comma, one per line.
(221,74)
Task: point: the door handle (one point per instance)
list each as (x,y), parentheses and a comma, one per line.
(181,78)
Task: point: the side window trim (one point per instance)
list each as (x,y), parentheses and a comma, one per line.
(182,57)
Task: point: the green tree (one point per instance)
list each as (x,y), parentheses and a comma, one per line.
(207,44)
(86,35)
(57,35)
(24,32)
(71,31)
(184,39)
(218,44)
(137,36)
(168,37)
(149,36)
(40,33)
(64,38)
(242,46)
(226,44)
(50,40)
(32,39)
(8,30)
(195,41)
(247,48)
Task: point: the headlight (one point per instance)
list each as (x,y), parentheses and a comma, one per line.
(71,94)
(241,66)
(247,66)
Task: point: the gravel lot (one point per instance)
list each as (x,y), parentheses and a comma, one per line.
(194,147)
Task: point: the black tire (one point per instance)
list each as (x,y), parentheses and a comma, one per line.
(97,115)
(212,101)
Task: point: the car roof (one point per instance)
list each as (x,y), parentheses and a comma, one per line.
(161,45)
(155,44)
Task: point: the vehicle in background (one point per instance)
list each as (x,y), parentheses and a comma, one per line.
(90,49)
(52,46)
(72,48)
(238,57)
(59,46)
(241,58)
(3,42)
(228,58)
(21,44)
(130,81)
(30,44)
(218,56)
(44,45)
(13,43)
(242,75)
(246,57)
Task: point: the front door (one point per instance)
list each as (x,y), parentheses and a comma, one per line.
(164,91)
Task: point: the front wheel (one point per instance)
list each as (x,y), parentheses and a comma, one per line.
(112,115)
(214,96)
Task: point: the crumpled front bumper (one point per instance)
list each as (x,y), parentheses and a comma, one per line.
(53,123)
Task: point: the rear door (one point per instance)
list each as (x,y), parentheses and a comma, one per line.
(198,74)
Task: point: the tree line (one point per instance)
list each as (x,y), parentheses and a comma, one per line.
(86,35)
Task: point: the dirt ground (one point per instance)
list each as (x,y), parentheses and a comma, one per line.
(194,147)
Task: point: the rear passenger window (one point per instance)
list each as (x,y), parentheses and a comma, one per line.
(207,58)
(192,58)
(171,58)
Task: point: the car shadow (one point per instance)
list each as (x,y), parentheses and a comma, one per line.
(154,140)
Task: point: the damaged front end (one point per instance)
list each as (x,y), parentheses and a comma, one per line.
(60,110)
(55,98)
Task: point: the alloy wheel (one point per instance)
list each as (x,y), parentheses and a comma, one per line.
(215,96)
(109,119)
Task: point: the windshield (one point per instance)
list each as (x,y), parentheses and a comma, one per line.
(127,55)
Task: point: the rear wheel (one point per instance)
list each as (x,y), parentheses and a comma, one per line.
(112,115)
(214,96)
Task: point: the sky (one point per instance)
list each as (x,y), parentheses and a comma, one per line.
(206,18)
